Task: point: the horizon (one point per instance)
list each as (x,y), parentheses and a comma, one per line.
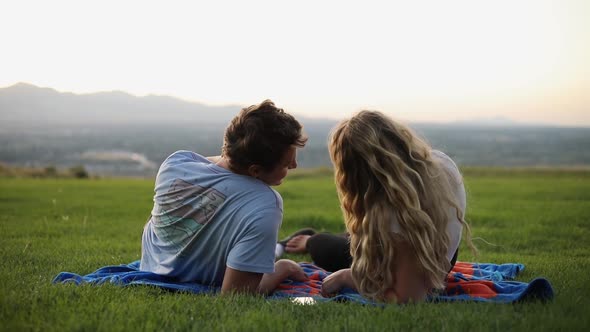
(422,62)
(497,121)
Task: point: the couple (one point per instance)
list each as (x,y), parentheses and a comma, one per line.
(215,220)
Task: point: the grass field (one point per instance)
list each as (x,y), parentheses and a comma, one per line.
(540,218)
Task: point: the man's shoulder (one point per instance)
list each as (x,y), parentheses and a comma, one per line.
(185,156)
(181,164)
(262,196)
(276,197)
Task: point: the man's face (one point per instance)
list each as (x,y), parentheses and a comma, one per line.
(275,177)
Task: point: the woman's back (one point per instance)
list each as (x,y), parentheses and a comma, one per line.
(393,187)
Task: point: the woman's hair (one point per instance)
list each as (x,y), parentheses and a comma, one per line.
(385,174)
(260,135)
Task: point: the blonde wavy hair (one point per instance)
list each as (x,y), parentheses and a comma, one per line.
(385,173)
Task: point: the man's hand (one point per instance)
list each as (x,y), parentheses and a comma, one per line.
(336,281)
(284,268)
(253,283)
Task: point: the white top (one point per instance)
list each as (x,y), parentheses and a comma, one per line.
(454,227)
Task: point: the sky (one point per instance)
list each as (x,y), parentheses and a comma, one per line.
(428,61)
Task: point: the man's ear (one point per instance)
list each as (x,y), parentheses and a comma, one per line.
(254,171)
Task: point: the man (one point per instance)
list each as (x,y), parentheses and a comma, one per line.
(215,220)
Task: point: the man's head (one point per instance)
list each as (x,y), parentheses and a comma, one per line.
(261,141)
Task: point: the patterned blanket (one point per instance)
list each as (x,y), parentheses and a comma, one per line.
(466,282)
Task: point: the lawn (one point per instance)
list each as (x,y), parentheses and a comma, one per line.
(540,218)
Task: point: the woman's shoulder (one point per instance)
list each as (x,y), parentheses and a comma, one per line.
(448,164)
(442,156)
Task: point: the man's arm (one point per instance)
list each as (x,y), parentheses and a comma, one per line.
(284,268)
(236,281)
(258,283)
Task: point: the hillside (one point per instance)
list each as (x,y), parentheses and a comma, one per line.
(115,133)
(27,105)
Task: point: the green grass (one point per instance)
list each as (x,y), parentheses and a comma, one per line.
(540,218)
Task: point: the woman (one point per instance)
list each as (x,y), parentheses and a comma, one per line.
(404,207)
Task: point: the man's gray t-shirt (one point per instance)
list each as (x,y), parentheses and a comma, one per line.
(205,218)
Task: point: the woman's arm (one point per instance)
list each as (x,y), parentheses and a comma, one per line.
(333,283)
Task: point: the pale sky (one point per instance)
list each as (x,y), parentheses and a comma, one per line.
(435,61)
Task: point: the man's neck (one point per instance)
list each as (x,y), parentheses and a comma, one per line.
(224,163)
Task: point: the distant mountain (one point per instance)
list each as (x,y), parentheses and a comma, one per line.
(26,104)
(497,121)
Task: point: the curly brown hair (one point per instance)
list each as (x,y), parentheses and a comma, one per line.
(260,135)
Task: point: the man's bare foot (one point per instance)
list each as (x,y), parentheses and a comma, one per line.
(296,245)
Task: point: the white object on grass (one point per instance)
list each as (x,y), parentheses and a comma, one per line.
(304,300)
(279,250)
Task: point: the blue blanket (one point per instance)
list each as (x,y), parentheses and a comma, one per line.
(466,282)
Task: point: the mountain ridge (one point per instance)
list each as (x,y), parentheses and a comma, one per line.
(25,103)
